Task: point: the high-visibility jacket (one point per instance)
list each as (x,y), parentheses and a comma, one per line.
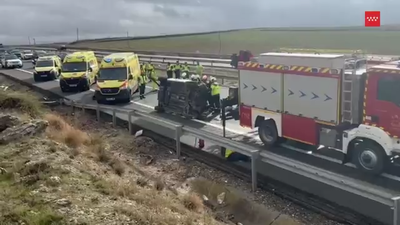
(150,67)
(171,68)
(143,79)
(228,153)
(215,89)
(199,70)
(185,68)
(177,67)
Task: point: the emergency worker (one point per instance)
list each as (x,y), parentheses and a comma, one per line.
(170,70)
(186,69)
(184,76)
(142,82)
(232,156)
(199,69)
(204,93)
(177,70)
(215,94)
(151,73)
(193,78)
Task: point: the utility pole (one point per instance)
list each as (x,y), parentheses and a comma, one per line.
(127,34)
(34,41)
(77,34)
(29,40)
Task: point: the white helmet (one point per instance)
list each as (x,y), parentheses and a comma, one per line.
(213,79)
(184,75)
(193,77)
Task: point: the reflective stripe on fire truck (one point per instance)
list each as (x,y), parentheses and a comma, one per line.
(292,68)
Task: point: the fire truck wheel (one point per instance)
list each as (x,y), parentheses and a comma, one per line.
(268,133)
(369,157)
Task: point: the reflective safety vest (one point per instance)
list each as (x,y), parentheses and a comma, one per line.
(185,68)
(150,67)
(199,70)
(228,153)
(170,68)
(142,79)
(177,67)
(215,89)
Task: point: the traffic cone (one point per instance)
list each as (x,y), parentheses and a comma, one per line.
(201,143)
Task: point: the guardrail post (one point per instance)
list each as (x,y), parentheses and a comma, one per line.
(73,107)
(254,158)
(114,117)
(178,132)
(130,122)
(396,210)
(98,112)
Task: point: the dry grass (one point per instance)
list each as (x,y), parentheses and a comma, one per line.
(61,131)
(243,209)
(263,40)
(29,104)
(41,171)
(193,202)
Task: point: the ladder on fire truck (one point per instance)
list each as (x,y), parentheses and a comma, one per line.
(352,64)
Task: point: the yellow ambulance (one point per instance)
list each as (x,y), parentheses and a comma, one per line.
(79,71)
(47,68)
(118,77)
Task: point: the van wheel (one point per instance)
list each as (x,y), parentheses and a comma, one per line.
(36,78)
(268,133)
(369,157)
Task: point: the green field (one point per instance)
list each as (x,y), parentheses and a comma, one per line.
(262,40)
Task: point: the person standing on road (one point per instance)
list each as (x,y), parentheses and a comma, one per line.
(142,82)
(170,70)
(215,94)
(177,70)
(199,69)
(151,72)
(185,69)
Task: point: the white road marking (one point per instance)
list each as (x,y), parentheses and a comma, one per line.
(245,133)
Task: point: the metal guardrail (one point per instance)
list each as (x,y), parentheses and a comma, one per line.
(205,57)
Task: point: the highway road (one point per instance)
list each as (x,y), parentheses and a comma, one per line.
(385,186)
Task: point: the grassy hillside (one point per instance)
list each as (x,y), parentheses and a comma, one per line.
(375,41)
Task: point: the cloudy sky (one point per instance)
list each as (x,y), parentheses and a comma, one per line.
(58,20)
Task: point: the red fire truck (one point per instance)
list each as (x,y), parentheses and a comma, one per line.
(324,99)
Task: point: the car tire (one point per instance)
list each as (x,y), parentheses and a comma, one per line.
(369,157)
(268,133)
(36,78)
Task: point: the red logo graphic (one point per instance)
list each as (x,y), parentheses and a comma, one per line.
(372,18)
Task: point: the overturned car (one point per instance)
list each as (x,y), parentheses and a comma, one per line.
(181,97)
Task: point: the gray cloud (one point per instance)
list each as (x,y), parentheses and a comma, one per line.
(56,20)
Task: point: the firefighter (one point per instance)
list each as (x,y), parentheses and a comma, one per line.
(177,70)
(186,69)
(184,76)
(142,79)
(215,94)
(193,78)
(151,72)
(199,69)
(170,70)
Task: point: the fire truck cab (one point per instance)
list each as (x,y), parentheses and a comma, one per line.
(324,99)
